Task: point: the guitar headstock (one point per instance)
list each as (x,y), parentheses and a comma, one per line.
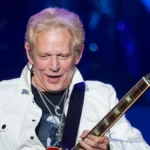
(147,77)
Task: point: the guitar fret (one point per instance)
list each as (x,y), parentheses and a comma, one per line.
(96,132)
(102,128)
(128,99)
(135,93)
(123,106)
(143,86)
(106,122)
(112,117)
(117,111)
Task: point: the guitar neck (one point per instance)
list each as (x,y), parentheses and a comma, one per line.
(115,114)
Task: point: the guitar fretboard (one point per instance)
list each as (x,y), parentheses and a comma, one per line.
(117,112)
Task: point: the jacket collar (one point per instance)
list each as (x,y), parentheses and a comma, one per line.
(25,79)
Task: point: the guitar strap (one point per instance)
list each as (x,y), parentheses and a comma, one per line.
(73,116)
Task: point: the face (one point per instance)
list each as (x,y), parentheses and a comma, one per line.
(53,59)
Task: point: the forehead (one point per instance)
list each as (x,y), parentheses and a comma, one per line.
(54,37)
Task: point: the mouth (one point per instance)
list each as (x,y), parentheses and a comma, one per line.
(53,79)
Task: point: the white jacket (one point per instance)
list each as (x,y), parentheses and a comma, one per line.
(19,115)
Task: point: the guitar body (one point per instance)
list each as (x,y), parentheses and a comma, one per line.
(53,148)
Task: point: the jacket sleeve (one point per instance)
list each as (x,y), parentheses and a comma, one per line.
(122,135)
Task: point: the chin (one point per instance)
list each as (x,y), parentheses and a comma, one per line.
(54,89)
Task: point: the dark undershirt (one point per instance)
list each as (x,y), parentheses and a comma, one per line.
(47,129)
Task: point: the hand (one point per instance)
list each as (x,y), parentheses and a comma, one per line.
(92,142)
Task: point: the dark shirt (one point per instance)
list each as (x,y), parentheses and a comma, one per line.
(47,129)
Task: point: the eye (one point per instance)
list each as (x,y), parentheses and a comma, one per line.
(44,57)
(63,56)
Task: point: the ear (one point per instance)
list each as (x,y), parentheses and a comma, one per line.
(28,52)
(78,57)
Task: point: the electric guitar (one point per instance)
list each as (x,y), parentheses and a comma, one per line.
(116,113)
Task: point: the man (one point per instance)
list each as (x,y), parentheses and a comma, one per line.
(34,107)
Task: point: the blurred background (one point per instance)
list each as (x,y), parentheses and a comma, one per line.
(117,46)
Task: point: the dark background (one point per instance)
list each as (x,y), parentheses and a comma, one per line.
(117,46)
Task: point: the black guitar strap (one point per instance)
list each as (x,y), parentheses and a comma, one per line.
(73,116)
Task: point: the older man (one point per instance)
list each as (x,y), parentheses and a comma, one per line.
(34,107)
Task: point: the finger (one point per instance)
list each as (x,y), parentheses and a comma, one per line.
(103,146)
(100,140)
(86,146)
(92,146)
(84,133)
(91,143)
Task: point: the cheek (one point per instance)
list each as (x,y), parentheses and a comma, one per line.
(41,65)
(68,67)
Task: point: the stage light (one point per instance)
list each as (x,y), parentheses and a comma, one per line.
(146,3)
(93,47)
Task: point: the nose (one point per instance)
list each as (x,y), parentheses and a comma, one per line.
(54,64)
